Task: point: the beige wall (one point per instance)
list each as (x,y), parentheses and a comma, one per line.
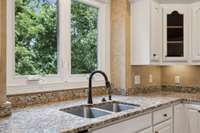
(119,20)
(2,51)
(128,47)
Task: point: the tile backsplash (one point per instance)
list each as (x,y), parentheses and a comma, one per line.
(149,76)
(180,75)
(189,75)
(179,78)
(23,100)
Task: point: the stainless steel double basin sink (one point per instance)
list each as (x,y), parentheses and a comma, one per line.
(98,110)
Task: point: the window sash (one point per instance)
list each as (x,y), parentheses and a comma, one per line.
(100,47)
(15,42)
(14,79)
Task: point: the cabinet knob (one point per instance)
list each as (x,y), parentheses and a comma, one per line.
(154,55)
(156,132)
(198,111)
(165,115)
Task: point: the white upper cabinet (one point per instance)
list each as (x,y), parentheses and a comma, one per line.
(165,32)
(195,49)
(175,33)
(146,32)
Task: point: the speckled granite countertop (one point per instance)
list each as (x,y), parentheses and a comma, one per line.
(48,118)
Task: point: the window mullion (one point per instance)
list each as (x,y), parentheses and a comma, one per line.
(64,26)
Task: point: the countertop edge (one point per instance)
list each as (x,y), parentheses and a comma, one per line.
(129,115)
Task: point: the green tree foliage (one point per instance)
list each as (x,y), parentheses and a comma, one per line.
(35,37)
(84,36)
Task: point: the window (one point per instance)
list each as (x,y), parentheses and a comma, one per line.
(84,38)
(56,42)
(35,37)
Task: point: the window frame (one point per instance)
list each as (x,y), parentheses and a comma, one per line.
(63,79)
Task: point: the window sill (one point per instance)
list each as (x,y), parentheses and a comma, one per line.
(28,89)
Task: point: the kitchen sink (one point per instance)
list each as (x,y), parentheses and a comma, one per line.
(98,110)
(116,106)
(86,111)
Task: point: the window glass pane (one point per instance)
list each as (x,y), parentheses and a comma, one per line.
(35,37)
(84,38)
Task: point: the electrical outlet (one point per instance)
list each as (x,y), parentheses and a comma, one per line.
(150,78)
(137,80)
(177,79)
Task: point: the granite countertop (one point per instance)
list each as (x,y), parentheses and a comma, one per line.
(49,118)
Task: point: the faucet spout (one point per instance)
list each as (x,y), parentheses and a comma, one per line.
(107,83)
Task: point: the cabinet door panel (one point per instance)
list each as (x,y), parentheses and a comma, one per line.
(194,120)
(176,33)
(130,126)
(165,127)
(195,53)
(149,130)
(180,120)
(140,32)
(156,32)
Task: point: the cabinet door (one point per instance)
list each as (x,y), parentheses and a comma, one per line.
(176,37)
(165,127)
(195,53)
(156,32)
(194,120)
(180,120)
(149,130)
(140,32)
(130,126)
